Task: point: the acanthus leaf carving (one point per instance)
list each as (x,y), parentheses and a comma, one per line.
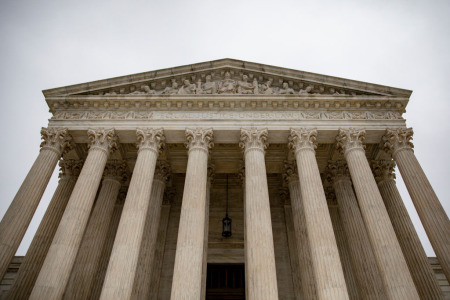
(116,170)
(398,139)
(383,170)
(150,139)
(254,139)
(70,168)
(350,139)
(103,139)
(290,171)
(162,170)
(56,139)
(337,170)
(302,139)
(199,138)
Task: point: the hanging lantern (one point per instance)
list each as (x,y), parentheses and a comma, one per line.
(226,222)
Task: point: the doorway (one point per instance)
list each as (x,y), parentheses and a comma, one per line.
(225,282)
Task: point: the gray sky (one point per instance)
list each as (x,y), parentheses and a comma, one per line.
(47,44)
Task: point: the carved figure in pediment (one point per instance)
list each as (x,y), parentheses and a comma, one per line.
(170,90)
(266,88)
(228,85)
(286,90)
(245,87)
(187,88)
(209,87)
(110,93)
(148,90)
(309,90)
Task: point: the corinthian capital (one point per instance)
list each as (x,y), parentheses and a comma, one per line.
(116,170)
(70,168)
(199,138)
(253,138)
(150,139)
(162,170)
(302,139)
(383,169)
(350,139)
(56,139)
(398,139)
(290,171)
(337,170)
(103,139)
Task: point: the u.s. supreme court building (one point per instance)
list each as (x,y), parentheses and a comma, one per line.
(226,180)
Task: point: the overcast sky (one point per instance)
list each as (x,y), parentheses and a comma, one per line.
(47,44)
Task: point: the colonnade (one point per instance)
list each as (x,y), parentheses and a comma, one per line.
(66,254)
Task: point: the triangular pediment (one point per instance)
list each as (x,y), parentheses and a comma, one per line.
(227,77)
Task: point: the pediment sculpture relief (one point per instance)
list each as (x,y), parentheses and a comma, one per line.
(229,83)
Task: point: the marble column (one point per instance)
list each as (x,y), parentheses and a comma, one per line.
(211,174)
(432,214)
(303,254)
(392,266)
(55,272)
(187,275)
(344,253)
(416,258)
(260,253)
(144,271)
(361,254)
(86,264)
(292,244)
(19,214)
(33,260)
(108,245)
(328,273)
(161,243)
(123,263)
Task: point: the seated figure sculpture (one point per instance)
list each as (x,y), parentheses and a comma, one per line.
(245,87)
(228,85)
(286,90)
(209,87)
(266,88)
(308,90)
(187,88)
(170,90)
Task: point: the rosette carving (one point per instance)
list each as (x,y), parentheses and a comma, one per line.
(162,170)
(383,169)
(103,139)
(290,171)
(116,170)
(151,139)
(70,168)
(350,139)
(254,139)
(337,170)
(302,139)
(199,138)
(56,139)
(398,139)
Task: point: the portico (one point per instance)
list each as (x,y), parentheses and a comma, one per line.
(172,137)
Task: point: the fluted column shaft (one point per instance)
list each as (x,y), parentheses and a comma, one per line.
(19,214)
(88,258)
(191,232)
(434,219)
(293,253)
(107,248)
(328,273)
(303,254)
(259,248)
(33,260)
(416,258)
(393,269)
(55,272)
(205,244)
(144,271)
(361,254)
(159,251)
(122,265)
(344,254)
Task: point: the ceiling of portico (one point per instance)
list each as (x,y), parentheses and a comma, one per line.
(225,77)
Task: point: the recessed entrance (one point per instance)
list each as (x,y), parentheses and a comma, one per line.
(225,281)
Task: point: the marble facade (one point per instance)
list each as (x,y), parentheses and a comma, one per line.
(137,213)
